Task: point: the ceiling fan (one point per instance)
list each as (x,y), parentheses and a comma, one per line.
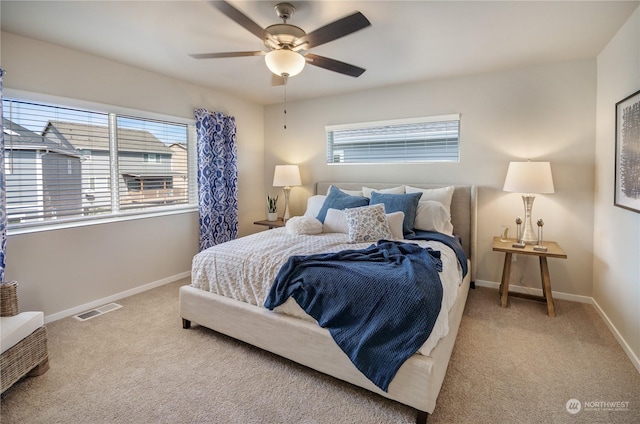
(288,44)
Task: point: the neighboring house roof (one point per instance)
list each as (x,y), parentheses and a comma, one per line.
(18,137)
(96,137)
(179,145)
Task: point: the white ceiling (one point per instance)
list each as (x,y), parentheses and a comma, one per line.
(407,41)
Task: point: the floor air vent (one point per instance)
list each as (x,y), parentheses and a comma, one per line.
(97,311)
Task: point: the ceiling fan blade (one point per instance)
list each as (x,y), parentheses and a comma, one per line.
(239,17)
(334,65)
(226,54)
(334,30)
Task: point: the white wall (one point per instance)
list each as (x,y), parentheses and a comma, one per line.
(541,113)
(616,270)
(60,270)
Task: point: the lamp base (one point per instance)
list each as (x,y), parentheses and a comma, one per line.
(528,233)
(286,215)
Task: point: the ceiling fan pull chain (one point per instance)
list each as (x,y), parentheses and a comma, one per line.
(285,77)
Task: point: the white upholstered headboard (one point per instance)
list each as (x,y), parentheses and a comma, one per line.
(464,208)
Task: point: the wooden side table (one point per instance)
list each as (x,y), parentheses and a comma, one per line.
(271,224)
(553,251)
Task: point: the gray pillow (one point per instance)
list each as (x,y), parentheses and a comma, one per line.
(337,199)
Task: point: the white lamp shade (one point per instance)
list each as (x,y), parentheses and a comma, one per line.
(284,62)
(529,177)
(286,176)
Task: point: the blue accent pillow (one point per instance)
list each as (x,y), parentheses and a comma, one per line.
(337,199)
(407,203)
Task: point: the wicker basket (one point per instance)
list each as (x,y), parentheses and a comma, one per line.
(8,298)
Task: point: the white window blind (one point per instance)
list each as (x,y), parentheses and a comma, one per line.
(428,139)
(65,164)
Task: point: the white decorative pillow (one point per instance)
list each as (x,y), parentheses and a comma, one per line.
(366,191)
(442,195)
(367,224)
(433,216)
(303,225)
(335,222)
(349,192)
(314,204)
(395,220)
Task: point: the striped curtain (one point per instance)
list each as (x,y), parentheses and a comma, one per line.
(3,192)
(217,177)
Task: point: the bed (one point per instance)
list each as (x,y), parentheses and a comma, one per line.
(288,333)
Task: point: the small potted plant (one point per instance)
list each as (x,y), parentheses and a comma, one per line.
(272,208)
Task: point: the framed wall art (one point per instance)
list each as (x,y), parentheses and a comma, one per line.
(627,167)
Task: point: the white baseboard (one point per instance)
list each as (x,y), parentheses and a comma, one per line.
(536,292)
(575,298)
(625,346)
(96,303)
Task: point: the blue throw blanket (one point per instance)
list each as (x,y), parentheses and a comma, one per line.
(452,241)
(379,304)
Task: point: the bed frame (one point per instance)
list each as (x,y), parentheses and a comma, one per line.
(419,379)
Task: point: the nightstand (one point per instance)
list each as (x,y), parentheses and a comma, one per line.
(271,224)
(553,251)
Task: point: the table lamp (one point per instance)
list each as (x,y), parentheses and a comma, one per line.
(286,176)
(529,178)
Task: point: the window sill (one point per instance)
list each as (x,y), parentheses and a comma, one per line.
(97,221)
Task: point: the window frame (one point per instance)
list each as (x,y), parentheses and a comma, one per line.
(119,215)
(389,123)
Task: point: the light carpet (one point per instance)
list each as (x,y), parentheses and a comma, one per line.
(137,365)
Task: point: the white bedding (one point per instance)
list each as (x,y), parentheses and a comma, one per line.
(244,269)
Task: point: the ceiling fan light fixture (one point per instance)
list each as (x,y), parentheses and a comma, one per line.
(285,61)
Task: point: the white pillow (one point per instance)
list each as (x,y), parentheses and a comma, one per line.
(349,192)
(336,222)
(367,224)
(442,195)
(366,191)
(433,216)
(303,225)
(395,220)
(314,204)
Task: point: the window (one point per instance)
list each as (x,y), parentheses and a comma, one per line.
(151,157)
(429,139)
(67,164)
